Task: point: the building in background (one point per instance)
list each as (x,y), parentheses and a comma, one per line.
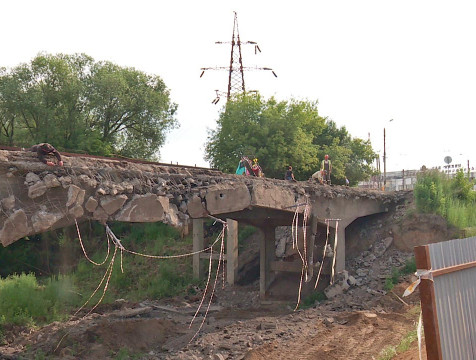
(406,179)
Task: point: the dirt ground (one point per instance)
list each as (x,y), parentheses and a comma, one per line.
(243,330)
(357,324)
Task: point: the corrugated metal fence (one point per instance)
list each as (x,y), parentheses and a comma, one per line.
(448,298)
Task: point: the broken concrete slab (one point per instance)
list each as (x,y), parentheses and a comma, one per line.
(226,198)
(77,211)
(270,196)
(8,203)
(91,204)
(31,178)
(142,208)
(43,220)
(111,204)
(73,192)
(196,208)
(37,190)
(51,181)
(15,227)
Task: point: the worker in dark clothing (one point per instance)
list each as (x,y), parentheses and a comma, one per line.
(289,174)
(45,149)
(326,168)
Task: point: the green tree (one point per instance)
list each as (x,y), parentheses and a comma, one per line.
(282,133)
(129,108)
(78,104)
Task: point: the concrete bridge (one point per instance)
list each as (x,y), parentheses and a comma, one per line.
(35,198)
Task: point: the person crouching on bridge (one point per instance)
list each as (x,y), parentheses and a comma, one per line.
(45,149)
(326,168)
(289,174)
(318,176)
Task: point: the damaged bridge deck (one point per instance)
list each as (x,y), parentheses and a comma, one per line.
(35,198)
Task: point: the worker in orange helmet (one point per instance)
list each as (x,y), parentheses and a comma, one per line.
(326,169)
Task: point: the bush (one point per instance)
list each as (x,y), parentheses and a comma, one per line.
(451,198)
(408,268)
(429,192)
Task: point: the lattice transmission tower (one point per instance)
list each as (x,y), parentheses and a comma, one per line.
(236,77)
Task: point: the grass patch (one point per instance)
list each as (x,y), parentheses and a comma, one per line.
(143,278)
(398,273)
(24,301)
(126,354)
(30,301)
(244,233)
(311,300)
(390,351)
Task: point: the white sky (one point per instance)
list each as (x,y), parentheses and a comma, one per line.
(366,62)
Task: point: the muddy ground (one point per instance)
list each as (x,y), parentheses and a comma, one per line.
(357,323)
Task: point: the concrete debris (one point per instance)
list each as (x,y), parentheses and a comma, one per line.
(37,190)
(73,192)
(15,227)
(91,204)
(31,178)
(8,203)
(43,220)
(51,181)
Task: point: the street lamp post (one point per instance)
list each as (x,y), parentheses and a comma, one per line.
(385,160)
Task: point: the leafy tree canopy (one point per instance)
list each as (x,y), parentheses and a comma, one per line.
(79,104)
(283,133)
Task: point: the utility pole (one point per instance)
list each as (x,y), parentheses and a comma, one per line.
(403,179)
(236,77)
(384,162)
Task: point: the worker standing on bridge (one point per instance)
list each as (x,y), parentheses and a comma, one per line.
(326,168)
(45,149)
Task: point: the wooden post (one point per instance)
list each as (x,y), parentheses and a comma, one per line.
(198,244)
(232,251)
(267,254)
(428,305)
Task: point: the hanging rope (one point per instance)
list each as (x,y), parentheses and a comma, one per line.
(220,261)
(108,274)
(335,254)
(323,254)
(84,251)
(294,232)
(111,237)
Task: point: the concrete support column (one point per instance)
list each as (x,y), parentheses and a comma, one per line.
(267,254)
(198,244)
(232,251)
(340,256)
(311,237)
(340,251)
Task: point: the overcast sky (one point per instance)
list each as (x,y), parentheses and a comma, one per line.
(366,62)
